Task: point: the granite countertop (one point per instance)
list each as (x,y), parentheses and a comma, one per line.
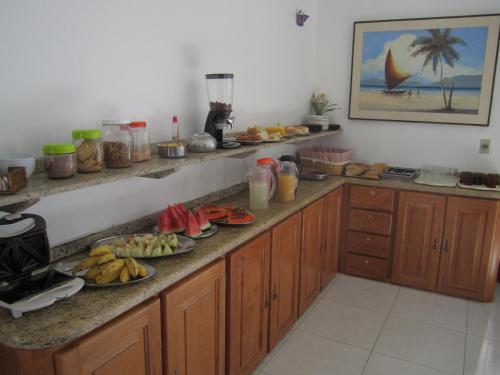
(69,319)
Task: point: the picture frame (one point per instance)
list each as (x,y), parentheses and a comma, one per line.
(431,70)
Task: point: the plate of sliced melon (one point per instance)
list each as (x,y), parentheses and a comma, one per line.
(147,245)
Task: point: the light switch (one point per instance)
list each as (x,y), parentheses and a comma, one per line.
(484,146)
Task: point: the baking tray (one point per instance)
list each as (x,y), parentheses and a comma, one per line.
(185,245)
(313,175)
(478,187)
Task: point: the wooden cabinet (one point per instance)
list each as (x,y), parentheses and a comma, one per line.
(372,198)
(194,323)
(285,271)
(366,266)
(469,260)
(248,305)
(418,240)
(331,248)
(447,244)
(367,242)
(129,345)
(312,245)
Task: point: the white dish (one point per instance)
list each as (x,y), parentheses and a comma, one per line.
(18,159)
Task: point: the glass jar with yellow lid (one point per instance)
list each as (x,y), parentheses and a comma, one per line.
(89,150)
(60,160)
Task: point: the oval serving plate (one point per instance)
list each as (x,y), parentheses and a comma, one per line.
(185,245)
(204,234)
(68,267)
(151,272)
(223,222)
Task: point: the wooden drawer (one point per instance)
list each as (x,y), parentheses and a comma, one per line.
(371,222)
(368,244)
(372,198)
(364,266)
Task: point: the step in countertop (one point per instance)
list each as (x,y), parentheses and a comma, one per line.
(72,318)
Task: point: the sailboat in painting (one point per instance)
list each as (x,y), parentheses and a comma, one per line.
(394,76)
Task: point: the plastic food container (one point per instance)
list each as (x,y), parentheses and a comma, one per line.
(141,142)
(117,142)
(89,150)
(60,160)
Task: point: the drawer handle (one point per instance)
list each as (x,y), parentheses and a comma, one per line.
(367,261)
(434,244)
(372,192)
(445,246)
(370,216)
(368,238)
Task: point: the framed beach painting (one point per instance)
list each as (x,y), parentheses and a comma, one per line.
(434,70)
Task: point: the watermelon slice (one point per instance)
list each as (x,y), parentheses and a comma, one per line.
(192,228)
(202,219)
(182,215)
(183,208)
(165,223)
(178,222)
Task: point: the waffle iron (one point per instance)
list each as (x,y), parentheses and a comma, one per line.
(27,282)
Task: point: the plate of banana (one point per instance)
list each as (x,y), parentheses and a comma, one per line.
(102,268)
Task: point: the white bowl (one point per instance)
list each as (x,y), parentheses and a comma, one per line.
(18,159)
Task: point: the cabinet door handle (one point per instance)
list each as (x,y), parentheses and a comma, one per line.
(434,244)
(445,246)
(275,295)
(266,299)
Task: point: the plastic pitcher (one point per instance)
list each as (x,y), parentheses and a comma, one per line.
(262,186)
(288,181)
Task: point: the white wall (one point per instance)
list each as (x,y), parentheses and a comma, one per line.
(404,144)
(70,64)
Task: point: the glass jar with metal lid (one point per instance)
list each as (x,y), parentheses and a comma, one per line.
(60,160)
(89,150)
(141,141)
(117,142)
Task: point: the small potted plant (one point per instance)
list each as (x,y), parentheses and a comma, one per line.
(320,105)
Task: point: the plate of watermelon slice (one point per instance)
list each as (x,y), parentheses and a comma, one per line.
(180,219)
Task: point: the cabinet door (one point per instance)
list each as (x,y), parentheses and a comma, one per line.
(248,305)
(285,269)
(333,212)
(418,240)
(195,323)
(468,257)
(310,260)
(129,345)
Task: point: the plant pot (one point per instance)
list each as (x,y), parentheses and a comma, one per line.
(318,120)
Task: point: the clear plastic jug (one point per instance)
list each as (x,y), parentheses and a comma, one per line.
(262,185)
(288,180)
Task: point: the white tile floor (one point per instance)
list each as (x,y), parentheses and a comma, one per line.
(364,327)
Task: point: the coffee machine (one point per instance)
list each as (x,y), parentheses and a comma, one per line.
(220,97)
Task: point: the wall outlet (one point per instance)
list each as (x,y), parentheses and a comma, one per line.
(484,146)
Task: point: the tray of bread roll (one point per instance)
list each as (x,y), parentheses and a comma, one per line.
(366,171)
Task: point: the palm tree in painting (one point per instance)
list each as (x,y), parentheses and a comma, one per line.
(437,47)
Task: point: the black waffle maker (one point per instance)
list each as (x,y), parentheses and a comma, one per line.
(26,281)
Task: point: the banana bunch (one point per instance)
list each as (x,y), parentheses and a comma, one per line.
(104,268)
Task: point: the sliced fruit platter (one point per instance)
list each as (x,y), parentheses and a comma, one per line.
(180,219)
(102,268)
(147,245)
(227,214)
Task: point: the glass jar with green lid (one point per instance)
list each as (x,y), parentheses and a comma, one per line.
(89,150)
(60,160)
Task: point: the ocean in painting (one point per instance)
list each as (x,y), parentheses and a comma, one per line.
(419,99)
(407,71)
